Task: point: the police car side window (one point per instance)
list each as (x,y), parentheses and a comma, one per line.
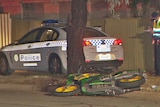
(30,37)
(48,35)
(55,36)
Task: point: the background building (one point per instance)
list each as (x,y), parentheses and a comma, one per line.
(47,9)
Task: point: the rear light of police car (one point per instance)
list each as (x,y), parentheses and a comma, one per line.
(118,42)
(87,43)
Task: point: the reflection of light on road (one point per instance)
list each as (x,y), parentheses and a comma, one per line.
(31,73)
(20,71)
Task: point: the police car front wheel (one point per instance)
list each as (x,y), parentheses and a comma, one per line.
(4,66)
(54,64)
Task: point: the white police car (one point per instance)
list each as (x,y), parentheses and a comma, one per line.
(44,49)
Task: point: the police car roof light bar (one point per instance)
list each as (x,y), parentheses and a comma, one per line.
(52,22)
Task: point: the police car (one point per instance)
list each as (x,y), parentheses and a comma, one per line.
(44,49)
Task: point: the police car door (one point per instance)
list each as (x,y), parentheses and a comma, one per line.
(48,44)
(25,54)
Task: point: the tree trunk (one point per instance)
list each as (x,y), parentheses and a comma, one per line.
(75,35)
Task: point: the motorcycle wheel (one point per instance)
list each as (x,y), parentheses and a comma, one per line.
(133,82)
(67,90)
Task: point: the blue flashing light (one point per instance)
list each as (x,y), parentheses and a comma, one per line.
(52,22)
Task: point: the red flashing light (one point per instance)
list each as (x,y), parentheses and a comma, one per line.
(88,61)
(118,42)
(87,43)
(121,59)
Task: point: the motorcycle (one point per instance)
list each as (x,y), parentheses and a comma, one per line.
(102,84)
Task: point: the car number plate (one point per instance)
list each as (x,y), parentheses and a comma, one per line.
(30,57)
(103,48)
(105,57)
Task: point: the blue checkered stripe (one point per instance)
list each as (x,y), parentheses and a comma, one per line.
(36,45)
(58,43)
(98,42)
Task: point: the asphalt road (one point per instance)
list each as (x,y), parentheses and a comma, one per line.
(29,95)
(39,99)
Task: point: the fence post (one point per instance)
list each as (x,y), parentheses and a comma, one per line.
(5,29)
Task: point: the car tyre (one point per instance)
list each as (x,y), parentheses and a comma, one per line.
(4,66)
(54,64)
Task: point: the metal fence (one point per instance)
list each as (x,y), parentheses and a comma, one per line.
(137,44)
(5,29)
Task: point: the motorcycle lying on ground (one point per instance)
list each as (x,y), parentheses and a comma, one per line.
(102,84)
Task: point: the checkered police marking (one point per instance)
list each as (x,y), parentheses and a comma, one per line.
(97,42)
(36,45)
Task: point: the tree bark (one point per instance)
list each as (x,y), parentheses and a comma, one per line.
(75,35)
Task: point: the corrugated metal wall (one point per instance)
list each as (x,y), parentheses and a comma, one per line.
(5,29)
(138,50)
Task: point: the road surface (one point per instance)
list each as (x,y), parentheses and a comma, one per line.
(17,90)
(27,98)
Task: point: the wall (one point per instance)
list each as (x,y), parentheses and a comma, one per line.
(20,27)
(138,48)
(47,9)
